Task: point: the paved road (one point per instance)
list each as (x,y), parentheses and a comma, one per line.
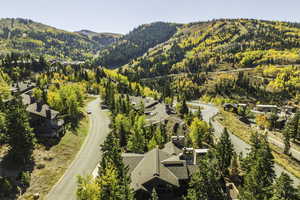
(240,146)
(88,157)
(295,153)
(189,73)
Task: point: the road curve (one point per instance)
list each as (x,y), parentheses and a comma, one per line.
(88,156)
(209,111)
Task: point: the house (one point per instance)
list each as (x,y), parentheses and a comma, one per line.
(233,106)
(289,109)
(147,102)
(22,87)
(168,170)
(266,108)
(45,120)
(155,111)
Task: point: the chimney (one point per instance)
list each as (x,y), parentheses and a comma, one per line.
(38,107)
(48,114)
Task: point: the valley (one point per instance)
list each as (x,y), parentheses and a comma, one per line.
(202,110)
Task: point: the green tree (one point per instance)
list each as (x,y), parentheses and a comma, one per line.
(137,142)
(184,108)
(158,138)
(21,138)
(111,164)
(259,170)
(224,150)
(38,94)
(87,188)
(206,183)
(198,132)
(283,189)
(293,127)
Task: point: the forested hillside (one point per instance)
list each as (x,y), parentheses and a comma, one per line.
(181,64)
(26,36)
(135,44)
(222,44)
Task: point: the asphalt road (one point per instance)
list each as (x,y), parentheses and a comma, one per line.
(295,153)
(239,145)
(88,156)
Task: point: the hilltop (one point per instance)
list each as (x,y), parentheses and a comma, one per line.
(26,36)
(135,44)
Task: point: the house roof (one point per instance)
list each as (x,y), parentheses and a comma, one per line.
(23,86)
(155,165)
(148,102)
(171,149)
(42,110)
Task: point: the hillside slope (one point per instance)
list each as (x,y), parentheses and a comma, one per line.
(220,45)
(135,44)
(104,39)
(26,36)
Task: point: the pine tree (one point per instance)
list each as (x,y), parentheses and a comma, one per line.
(224,149)
(111,157)
(136,142)
(259,170)
(21,138)
(184,108)
(283,189)
(206,183)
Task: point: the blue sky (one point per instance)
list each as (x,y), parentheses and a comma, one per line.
(121,16)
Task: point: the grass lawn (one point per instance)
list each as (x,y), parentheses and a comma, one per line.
(244,131)
(51,164)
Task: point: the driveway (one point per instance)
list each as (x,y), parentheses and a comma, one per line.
(88,156)
(209,111)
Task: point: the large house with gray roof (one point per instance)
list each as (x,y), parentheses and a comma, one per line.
(168,170)
(43,119)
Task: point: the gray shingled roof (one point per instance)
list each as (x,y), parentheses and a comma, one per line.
(155,165)
(171,149)
(42,110)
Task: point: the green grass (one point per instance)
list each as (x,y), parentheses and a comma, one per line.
(244,131)
(56,160)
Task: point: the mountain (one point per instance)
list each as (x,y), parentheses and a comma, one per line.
(241,59)
(220,45)
(26,36)
(135,44)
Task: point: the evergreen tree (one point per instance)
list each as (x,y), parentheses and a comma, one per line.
(283,189)
(136,142)
(224,150)
(259,171)
(21,138)
(112,165)
(293,128)
(184,108)
(206,183)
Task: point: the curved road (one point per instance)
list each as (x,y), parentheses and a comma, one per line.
(239,145)
(88,156)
